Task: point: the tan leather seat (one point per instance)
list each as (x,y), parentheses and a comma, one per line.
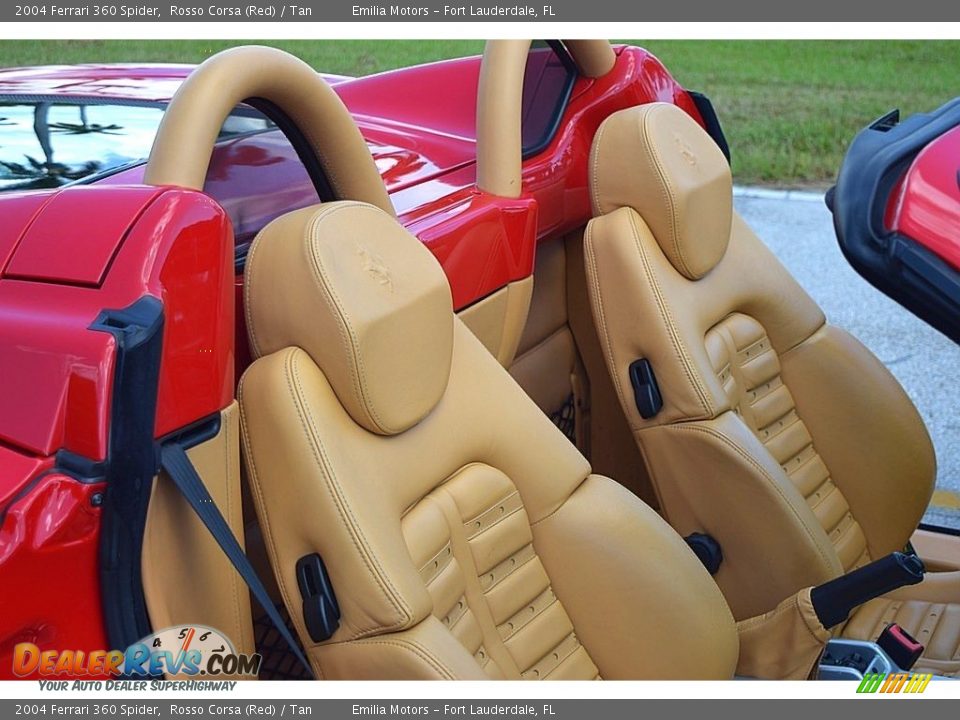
(780,435)
(464,535)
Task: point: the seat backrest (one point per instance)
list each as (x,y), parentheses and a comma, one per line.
(464,535)
(779,434)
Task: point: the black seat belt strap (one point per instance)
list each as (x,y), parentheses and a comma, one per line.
(174,460)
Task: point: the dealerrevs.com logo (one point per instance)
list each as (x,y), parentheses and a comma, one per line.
(191,650)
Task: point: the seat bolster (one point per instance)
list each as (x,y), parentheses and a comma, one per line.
(867,431)
(635,318)
(322,483)
(642,604)
(644,308)
(715,477)
(427,651)
(307,504)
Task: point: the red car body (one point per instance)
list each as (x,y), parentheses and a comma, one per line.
(66,255)
(926,205)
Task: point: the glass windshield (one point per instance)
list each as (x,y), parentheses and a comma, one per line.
(547,82)
(49,143)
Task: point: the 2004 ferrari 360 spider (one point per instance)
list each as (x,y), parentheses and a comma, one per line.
(305,375)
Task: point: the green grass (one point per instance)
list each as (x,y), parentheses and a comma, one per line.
(789,108)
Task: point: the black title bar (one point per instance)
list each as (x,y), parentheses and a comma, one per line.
(454,11)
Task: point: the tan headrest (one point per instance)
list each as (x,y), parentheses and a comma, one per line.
(657,160)
(365,299)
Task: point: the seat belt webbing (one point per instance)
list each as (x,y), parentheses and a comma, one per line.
(174,460)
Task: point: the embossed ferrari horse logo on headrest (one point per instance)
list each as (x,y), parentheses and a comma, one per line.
(686,151)
(374,266)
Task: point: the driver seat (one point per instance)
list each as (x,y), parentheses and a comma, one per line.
(464,536)
(774,432)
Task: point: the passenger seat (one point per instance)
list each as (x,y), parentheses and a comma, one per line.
(761,424)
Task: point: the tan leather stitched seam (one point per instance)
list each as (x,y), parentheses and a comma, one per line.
(782,355)
(523,621)
(271,545)
(734,348)
(473,591)
(823,498)
(730,345)
(666,190)
(516,568)
(811,444)
(562,660)
(234,577)
(589,255)
(347,337)
(802,341)
(753,359)
(461,616)
(440,560)
(265,520)
(671,327)
(542,343)
(534,523)
(354,531)
(504,498)
(443,482)
(753,622)
(941,613)
(498,521)
(780,421)
(347,333)
(248,295)
(813,624)
(594,175)
(813,456)
(852,525)
(763,471)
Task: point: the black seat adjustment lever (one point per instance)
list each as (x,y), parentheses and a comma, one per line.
(321,612)
(646,392)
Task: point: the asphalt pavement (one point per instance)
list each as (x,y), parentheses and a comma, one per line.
(798,228)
